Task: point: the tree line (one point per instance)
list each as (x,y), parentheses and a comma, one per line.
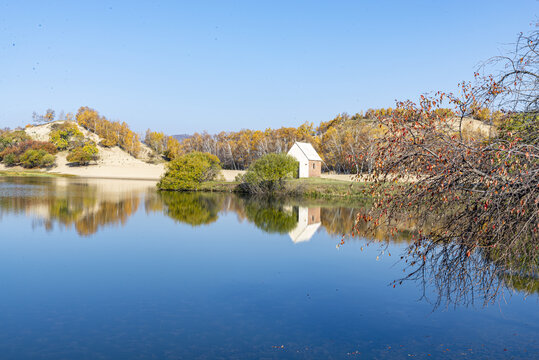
(335,141)
(346,143)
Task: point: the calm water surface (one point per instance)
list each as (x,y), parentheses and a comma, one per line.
(114,270)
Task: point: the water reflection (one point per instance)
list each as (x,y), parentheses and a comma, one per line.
(189,208)
(308,222)
(451,274)
(88,206)
(269,216)
(299,220)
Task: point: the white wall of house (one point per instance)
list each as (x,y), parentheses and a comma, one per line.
(296,152)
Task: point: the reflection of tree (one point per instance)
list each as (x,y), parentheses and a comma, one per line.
(338,220)
(526,284)
(152,201)
(270,217)
(107,213)
(455,272)
(341,221)
(191,208)
(460,274)
(81,204)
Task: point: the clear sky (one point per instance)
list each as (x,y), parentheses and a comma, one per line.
(186,66)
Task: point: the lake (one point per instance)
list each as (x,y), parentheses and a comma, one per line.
(105,269)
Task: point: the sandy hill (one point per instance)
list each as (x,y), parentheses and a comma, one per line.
(472,126)
(113,163)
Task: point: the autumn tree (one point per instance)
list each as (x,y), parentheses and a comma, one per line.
(478,198)
(156,141)
(83,154)
(113,133)
(65,135)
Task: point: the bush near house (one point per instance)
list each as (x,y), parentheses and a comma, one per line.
(268,174)
(188,171)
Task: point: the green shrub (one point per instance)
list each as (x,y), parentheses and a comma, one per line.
(66,135)
(11,160)
(188,171)
(83,155)
(4,143)
(36,158)
(48,160)
(268,174)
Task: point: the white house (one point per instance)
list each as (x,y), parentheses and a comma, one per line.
(310,163)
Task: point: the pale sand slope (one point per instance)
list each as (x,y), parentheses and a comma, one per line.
(110,167)
(230,175)
(471,125)
(114,163)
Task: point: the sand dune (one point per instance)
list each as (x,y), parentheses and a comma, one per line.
(114,163)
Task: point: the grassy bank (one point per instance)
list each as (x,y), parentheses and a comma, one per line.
(312,188)
(309,188)
(319,188)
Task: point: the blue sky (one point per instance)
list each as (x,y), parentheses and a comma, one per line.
(182,67)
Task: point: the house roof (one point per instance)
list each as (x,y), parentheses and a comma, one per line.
(309,151)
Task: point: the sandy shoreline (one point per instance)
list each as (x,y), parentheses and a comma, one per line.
(107,168)
(134,171)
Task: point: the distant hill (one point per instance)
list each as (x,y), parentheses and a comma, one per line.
(181,137)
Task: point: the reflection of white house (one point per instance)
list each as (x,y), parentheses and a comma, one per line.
(310,163)
(308,223)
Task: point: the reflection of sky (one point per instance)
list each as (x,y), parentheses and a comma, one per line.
(158,287)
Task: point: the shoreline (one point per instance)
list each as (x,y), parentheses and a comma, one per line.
(37,173)
(311,188)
